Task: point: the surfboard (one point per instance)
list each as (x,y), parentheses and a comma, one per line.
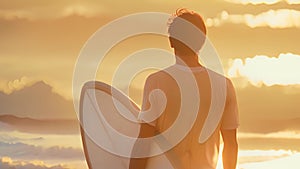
(106,117)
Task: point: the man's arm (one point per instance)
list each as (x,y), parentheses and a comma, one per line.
(230,151)
(146,130)
(230,123)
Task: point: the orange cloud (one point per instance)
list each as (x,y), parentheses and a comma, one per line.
(281,18)
(9,86)
(28,151)
(15,85)
(46,10)
(8,163)
(268,2)
(82,10)
(272,135)
(10,15)
(281,70)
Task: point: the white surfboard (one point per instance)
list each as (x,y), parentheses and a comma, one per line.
(105,112)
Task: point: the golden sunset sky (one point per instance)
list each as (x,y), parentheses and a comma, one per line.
(257,41)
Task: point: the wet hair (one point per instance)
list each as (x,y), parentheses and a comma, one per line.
(187,31)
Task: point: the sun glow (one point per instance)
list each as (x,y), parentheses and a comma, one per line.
(281,18)
(281,70)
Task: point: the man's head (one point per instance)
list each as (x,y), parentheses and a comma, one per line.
(187,32)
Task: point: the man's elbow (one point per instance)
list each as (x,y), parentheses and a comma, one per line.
(231,144)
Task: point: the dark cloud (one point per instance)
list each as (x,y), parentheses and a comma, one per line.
(4,137)
(29,125)
(25,151)
(37,101)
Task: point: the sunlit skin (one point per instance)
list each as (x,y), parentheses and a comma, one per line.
(230,150)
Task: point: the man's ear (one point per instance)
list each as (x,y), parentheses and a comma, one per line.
(172,41)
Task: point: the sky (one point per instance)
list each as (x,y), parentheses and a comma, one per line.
(257,42)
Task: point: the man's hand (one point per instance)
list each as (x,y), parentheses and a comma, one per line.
(146,130)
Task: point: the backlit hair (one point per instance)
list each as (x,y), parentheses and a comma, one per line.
(188,29)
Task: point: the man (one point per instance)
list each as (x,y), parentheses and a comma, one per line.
(189,153)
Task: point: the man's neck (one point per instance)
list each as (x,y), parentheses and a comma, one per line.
(190,61)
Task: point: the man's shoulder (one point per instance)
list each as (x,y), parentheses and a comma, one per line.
(161,74)
(217,75)
(220,82)
(164,75)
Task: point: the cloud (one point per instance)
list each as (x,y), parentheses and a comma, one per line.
(273,135)
(281,70)
(82,10)
(10,15)
(17,84)
(268,2)
(10,86)
(5,137)
(46,10)
(29,125)
(8,163)
(43,103)
(26,151)
(281,18)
